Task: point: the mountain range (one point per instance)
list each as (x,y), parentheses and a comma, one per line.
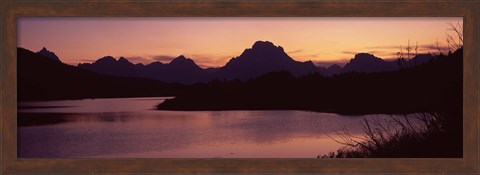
(41,77)
(263,57)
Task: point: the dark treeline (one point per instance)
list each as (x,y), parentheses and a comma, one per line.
(41,78)
(431,87)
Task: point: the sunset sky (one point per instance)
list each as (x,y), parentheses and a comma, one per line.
(211,42)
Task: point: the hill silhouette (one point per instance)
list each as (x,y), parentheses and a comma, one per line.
(179,70)
(49,54)
(366,63)
(110,66)
(430,87)
(45,76)
(42,78)
(263,57)
(333,70)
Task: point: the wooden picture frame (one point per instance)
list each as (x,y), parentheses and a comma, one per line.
(11,10)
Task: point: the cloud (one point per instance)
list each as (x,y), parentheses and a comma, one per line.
(306,57)
(432,47)
(420,47)
(211,63)
(383,47)
(207,61)
(295,51)
(391,51)
(379,54)
(139,59)
(325,64)
(349,52)
(163,58)
(373,52)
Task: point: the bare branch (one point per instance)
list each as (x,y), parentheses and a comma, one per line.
(438,47)
(458,29)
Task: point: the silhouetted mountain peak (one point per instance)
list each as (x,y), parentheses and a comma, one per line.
(180,58)
(111,60)
(421,58)
(310,63)
(334,66)
(330,70)
(49,54)
(365,56)
(105,60)
(262,53)
(156,63)
(365,62)
(123,60)
(182,61)
(262,58)
(265,45)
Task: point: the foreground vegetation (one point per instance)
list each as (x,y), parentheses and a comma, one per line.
(408,136)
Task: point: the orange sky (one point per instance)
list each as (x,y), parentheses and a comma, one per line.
(211,42)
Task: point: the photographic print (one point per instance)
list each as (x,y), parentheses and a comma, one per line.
(240,87)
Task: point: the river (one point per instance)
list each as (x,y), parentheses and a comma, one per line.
(132,128)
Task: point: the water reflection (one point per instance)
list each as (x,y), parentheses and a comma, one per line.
(129,128)
(90,105)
